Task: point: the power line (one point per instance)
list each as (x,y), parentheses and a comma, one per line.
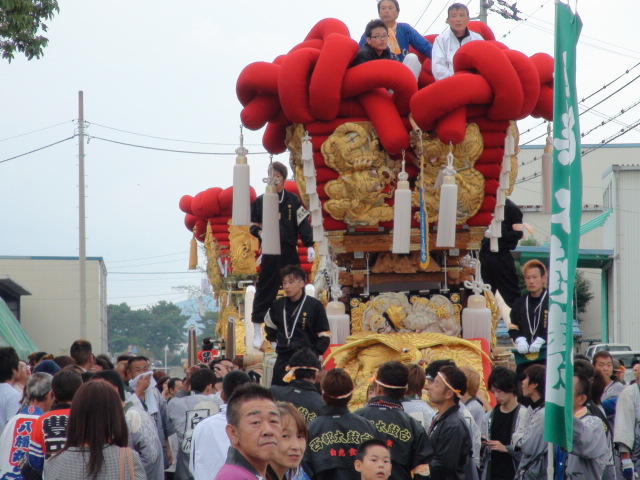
(146,258)
(34,131)
(37,149)
(610,119)
(526,18)
(165,138)
(91,137)
(415,24)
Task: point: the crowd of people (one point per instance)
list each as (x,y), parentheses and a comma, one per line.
(123,420)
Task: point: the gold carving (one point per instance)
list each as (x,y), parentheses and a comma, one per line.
(357,197)
(223,320)
(357,308)
(240,330)
(470,181)
(513,175)
(293,140)
(495,316)
(213,269)
(243,257)
(364,352)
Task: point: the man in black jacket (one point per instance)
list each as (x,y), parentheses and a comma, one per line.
(377,46)
(294,222)
(295,322)
(448,435)
(301,391)
(405,437)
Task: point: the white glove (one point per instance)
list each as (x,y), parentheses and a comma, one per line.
(487,233)
(536,345)
(522,345)
(257,335)
(311,254)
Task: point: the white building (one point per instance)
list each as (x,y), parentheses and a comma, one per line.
(595,164)
(51,314)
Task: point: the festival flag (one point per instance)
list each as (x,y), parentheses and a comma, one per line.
(566,213)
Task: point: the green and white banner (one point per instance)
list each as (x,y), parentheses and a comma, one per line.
(566,213)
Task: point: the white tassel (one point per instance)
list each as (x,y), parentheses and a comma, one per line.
(509,144)
(506,164)
(314,202)
(499,213)
(318,233)
(308,169)
(501,198)
(448,207)
(476,317)
(493,244)
(316,217)
(496,228)
(547,160)
(310,185)
(241,210)
(323,247)
(505,180)
(402,214)
(270,222)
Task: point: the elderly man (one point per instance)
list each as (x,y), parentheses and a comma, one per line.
(14,442)
(253,428)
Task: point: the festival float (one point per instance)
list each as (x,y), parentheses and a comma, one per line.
(403,180)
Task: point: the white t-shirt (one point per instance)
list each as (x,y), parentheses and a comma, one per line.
(209,446)
(9,403)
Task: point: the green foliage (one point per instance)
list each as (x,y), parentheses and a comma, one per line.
(20,23)
(583,292)
(148,329)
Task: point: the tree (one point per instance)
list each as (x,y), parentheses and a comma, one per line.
(20,23)
(149,329)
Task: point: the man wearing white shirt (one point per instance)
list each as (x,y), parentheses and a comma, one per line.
(9,397)
(447,43)
(210,443)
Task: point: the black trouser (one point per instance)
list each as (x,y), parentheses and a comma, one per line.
(269,280)
(279,368)
(499,271)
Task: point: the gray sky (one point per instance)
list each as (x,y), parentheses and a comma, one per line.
(155,69)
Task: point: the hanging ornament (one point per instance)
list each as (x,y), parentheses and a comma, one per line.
(241,213)
(547,160)
(270,216)
(448,205)
(193,252)
(402,213)
(476,317)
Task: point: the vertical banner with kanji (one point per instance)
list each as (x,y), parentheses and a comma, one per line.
(566,213)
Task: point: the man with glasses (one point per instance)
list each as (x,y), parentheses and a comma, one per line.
(377,44)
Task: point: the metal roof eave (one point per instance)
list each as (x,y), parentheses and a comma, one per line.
(587,258)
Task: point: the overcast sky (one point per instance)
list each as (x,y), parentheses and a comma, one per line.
(168,69)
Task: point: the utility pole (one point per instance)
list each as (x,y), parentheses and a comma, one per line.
(484,9)
(82,257)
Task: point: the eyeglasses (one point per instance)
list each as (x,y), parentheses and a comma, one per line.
(380,37)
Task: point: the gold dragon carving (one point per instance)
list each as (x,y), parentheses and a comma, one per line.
(364,352)
(357,197)
(513,175)
(470,181)
(293,140)
(243,257)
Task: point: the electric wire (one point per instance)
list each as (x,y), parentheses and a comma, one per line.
(438,16)
(35,131)
(415,24)
(38,149)
(147,147)
(526,18)
(166,138)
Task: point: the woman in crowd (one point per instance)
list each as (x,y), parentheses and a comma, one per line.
(97,439)
(319,463)
(291,446)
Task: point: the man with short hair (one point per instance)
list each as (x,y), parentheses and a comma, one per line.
(9,397)
(447,44)
(449,435)
(294,222)
(499,426)
(409,452)
(174,386)
(533,464)
(603,364)
(187,412)
(82,352)
(50,429)
(412,403)
(590,453)
(14,442)
(376,46)
(301,390)
(529,315)
(253,428)
(295,321)
(218,367)
(209,443)
(143,393)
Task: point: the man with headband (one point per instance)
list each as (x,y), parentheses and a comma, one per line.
(300,388)
(448,435)
(294,222)
(405,437)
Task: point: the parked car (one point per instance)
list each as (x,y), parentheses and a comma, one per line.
(609,347)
